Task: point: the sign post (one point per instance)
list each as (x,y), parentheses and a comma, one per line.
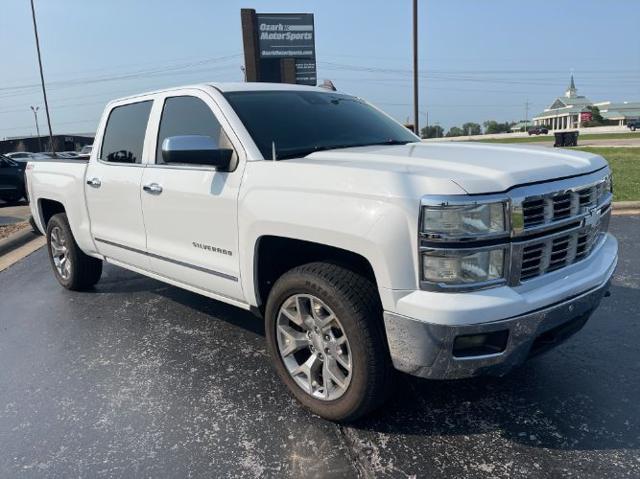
(279,47)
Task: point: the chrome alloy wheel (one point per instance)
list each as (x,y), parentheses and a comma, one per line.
(314,347)
(60,253)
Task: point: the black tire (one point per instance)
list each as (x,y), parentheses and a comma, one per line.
(84,271)
(354,299)
(34,228)
(633,128)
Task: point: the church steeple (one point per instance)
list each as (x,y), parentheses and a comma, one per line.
(572,91)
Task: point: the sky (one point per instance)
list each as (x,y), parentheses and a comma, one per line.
(479,60)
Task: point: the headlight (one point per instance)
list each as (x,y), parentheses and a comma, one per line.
(451,221)
(463,267)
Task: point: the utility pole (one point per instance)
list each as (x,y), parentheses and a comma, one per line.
(416,128)
(44,91)
(35,114)
(526,114)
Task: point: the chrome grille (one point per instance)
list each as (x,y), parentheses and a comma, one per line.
(563,206)
(562,249)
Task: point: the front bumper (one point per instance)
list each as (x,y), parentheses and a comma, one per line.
(427,349)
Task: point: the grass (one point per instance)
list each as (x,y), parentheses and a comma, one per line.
(542,138)
(625,164)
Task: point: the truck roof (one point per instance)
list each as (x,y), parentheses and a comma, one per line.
(231,86)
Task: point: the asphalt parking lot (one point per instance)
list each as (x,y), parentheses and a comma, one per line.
(14,213)
(141,379)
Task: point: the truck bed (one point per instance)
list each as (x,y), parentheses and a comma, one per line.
(61,181)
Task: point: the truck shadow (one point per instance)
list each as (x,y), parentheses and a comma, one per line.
(581,396)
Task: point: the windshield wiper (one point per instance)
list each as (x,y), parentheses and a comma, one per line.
(302,152)
(392,142)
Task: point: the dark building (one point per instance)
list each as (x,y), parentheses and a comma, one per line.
(32,143)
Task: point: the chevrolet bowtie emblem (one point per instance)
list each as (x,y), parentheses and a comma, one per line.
(593,218)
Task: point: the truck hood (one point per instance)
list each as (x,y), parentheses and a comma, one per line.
(475,167)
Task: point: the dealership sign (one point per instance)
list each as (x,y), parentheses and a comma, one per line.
(586,116)
(286,35)
(279,47)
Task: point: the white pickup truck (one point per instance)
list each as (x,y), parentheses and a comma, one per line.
(364,249)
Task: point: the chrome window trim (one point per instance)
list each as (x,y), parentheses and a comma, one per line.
(113,163)
(178,166)
(517,237)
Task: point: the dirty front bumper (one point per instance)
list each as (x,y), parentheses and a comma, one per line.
(432,350)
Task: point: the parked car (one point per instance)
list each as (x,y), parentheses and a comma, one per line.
(20,155)
(633,124)
(42,156)
(363,249)
(70,155)
(538,130)
(11,179)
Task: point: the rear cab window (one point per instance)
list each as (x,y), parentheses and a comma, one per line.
(124,134)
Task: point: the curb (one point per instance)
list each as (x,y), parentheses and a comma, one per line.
(626,205)
(16,240)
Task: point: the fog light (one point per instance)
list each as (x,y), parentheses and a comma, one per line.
(480,344)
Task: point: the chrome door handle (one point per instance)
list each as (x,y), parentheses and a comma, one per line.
(153,188)
(95,182)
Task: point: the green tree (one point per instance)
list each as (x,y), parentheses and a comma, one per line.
(434,131)
(596,117)
(492,126)
(471,128)
(455,131)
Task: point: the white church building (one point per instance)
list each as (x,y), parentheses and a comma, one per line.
(570,110)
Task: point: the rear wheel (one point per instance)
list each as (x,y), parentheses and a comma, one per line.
(326,340)
(72,268)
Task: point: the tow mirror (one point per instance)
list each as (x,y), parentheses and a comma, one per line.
(195,150)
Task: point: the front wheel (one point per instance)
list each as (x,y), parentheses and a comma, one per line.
(326,339)
(72,268)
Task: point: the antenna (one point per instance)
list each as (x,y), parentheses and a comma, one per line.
(273,151)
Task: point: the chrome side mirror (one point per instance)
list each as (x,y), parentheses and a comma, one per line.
(195,150)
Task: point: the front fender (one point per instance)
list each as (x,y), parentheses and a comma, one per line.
(383,232)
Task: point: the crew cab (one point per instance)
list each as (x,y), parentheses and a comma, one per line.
(365,250)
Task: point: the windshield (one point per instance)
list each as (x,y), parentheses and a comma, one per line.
(301,122)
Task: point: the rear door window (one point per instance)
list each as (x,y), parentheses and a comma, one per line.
(124,135)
